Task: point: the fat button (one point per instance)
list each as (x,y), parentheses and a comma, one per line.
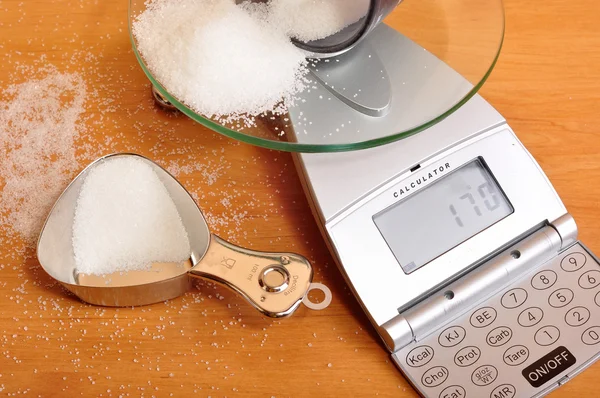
(274,278)
(453,392)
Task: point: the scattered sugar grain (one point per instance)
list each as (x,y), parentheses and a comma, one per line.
(125,220)
(38,128)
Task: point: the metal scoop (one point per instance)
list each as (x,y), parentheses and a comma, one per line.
(274,283)
(351,35)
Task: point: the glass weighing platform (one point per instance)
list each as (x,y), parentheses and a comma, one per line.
(424,62)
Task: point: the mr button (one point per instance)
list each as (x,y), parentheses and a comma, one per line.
(549,366)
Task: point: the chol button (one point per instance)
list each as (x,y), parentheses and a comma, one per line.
(435,376)
(274,278)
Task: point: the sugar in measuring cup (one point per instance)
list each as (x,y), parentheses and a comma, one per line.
(88,243)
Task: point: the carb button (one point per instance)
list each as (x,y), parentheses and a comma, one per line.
(274,278)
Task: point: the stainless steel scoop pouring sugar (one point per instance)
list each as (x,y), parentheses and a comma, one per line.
(352,34)
(274,283)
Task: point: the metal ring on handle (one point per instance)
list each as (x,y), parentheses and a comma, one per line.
(323,304)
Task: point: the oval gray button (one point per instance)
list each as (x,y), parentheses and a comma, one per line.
(591,335)
(547,335)
(435,376)
(504,391)
(577,316)
(499,336)
(467,356)
(483,317)
(452,336)
(544,279)
(560,297)
(484,375)
(590,279)
(573,262)
(453,392)
(516,355)
(419,356)
(530,317)
(513,298)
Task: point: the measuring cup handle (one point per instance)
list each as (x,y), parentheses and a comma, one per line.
(274,283)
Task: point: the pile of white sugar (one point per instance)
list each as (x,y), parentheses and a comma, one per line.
(234,61)
(125,220)
(218,58)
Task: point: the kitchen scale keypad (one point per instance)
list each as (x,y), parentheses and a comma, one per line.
(519,343)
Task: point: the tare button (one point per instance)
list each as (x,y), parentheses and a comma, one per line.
(419,356)
(516,355)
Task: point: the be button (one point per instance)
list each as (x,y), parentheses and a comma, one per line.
(483,317)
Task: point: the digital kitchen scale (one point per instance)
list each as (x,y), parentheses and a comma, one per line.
(458,248)
(451,236)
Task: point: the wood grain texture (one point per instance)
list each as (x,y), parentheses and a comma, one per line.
(210,342)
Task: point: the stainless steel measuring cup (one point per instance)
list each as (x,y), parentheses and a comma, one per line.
(274,283)
(351,35)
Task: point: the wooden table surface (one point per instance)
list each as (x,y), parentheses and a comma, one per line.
(210,342)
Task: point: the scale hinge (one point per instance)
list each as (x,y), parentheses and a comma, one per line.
(492,276)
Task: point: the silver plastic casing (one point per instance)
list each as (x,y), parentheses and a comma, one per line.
(347,189)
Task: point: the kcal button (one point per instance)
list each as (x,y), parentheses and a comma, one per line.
(419,356)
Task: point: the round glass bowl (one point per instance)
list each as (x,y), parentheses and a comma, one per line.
(424,61)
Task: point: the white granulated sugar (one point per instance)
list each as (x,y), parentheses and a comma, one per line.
(38,127)
(220,59)
(125,220)
(308,20)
